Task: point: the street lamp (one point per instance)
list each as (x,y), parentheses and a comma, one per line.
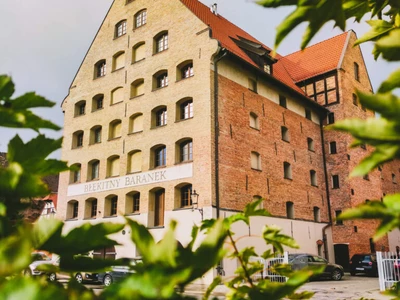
(195,202)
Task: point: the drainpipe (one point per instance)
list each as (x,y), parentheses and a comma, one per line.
(328,200)
(221,52)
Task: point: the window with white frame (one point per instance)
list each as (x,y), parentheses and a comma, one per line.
(255,159)
(120,28)
(140,18)
(100,68)
(161,42)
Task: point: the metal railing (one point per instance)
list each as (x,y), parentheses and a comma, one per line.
(388,269)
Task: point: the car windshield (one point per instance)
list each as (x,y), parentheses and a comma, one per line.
(39,256)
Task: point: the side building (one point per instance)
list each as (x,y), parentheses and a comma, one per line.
(190,118)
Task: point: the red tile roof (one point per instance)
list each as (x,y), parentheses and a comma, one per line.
(224,31)
(316,59)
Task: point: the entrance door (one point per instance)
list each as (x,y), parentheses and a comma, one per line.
(159,208)
(342,256)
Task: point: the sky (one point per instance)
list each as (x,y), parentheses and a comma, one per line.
(43,43)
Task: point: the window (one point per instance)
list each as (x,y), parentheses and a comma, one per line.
(77,139)
(310,144)
(97,102)
(100,68)
(331,118)
(254,121)
(332,148)
(185,150)
(290,210)
(111,206)
(335,181)
(140,18)
(160,156)
(72,209)
(308,114)
(159,116)
(356,72)
(282,101)
(114,130)
(285,134)
(118,61)
(317,214)
(117,95)
(355,100)
(120,28)
(132,202)
(161,42)
(138,52)
(90,208)
(135,161)
(137,88)
(313,178)
(185,109)
(184,70)
(113,166)
(337,214)
(75,173)
(136,123)
(255,159)
(186,195)
(93,209)
(394,178)
(287,170)
(95,135)
(93,169)
(267,68)
(80,108)
(252,85)
(160,79)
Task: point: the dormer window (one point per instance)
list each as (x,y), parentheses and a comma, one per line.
(267,68)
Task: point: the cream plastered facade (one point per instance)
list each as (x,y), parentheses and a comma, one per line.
(188,39)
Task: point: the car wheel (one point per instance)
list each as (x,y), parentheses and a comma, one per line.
(79,278)
(107,280)
(52,277)
(336,274)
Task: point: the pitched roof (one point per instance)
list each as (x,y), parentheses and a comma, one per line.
(316,59)
(225,32)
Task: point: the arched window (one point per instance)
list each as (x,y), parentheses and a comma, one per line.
(100,69)
(75,173)
(317,214)
(184,109)
(159,116)
(135,161)
(132,203)
(254,121)
(80,108)
(184,70)
(310,144)
(287,170)
(285,134)
(97,102)
(290,210)
(140,18)
(159,154)
(95,134)
(255,159)
(111,206)
(138,52)
(313,178)
(161,42)
(137,88)
(72,209)
(136,123)
(91,208)
(113,166)
(120,28)
(115,129)
(185,150)
(118,61)
(356,72)
(160,79)
(183,195)
(93,169)
(77,139)
(117,95)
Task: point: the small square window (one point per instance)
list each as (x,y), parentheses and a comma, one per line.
(285,134)
(332,148)
(308,114)
(310,144)
(252,85)
(335,181)
(331,118)
(282,101)
(337,213)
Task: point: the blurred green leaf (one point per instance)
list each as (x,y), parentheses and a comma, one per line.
(7,88)
(272,236)
(391,83)
(379,28)
(252,209)
(389,45)
(216,281)
(142,238)
(15,254)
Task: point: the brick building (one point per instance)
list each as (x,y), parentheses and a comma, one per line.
(190,117)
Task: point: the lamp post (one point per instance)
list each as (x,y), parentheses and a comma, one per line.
(195,203)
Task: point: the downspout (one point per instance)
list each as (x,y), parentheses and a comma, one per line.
(328,200)
(221,52)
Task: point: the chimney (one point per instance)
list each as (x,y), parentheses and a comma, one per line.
(214,9)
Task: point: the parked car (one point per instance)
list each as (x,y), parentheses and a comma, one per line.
(299,261)
(39,259)
(117,273)
(363,263)
(80,277)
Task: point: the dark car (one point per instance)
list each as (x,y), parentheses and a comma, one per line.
(364,263)
(299,261)
(116,273)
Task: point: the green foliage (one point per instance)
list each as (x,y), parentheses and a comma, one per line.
(382,133)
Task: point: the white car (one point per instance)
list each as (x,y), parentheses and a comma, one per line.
(39,259)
